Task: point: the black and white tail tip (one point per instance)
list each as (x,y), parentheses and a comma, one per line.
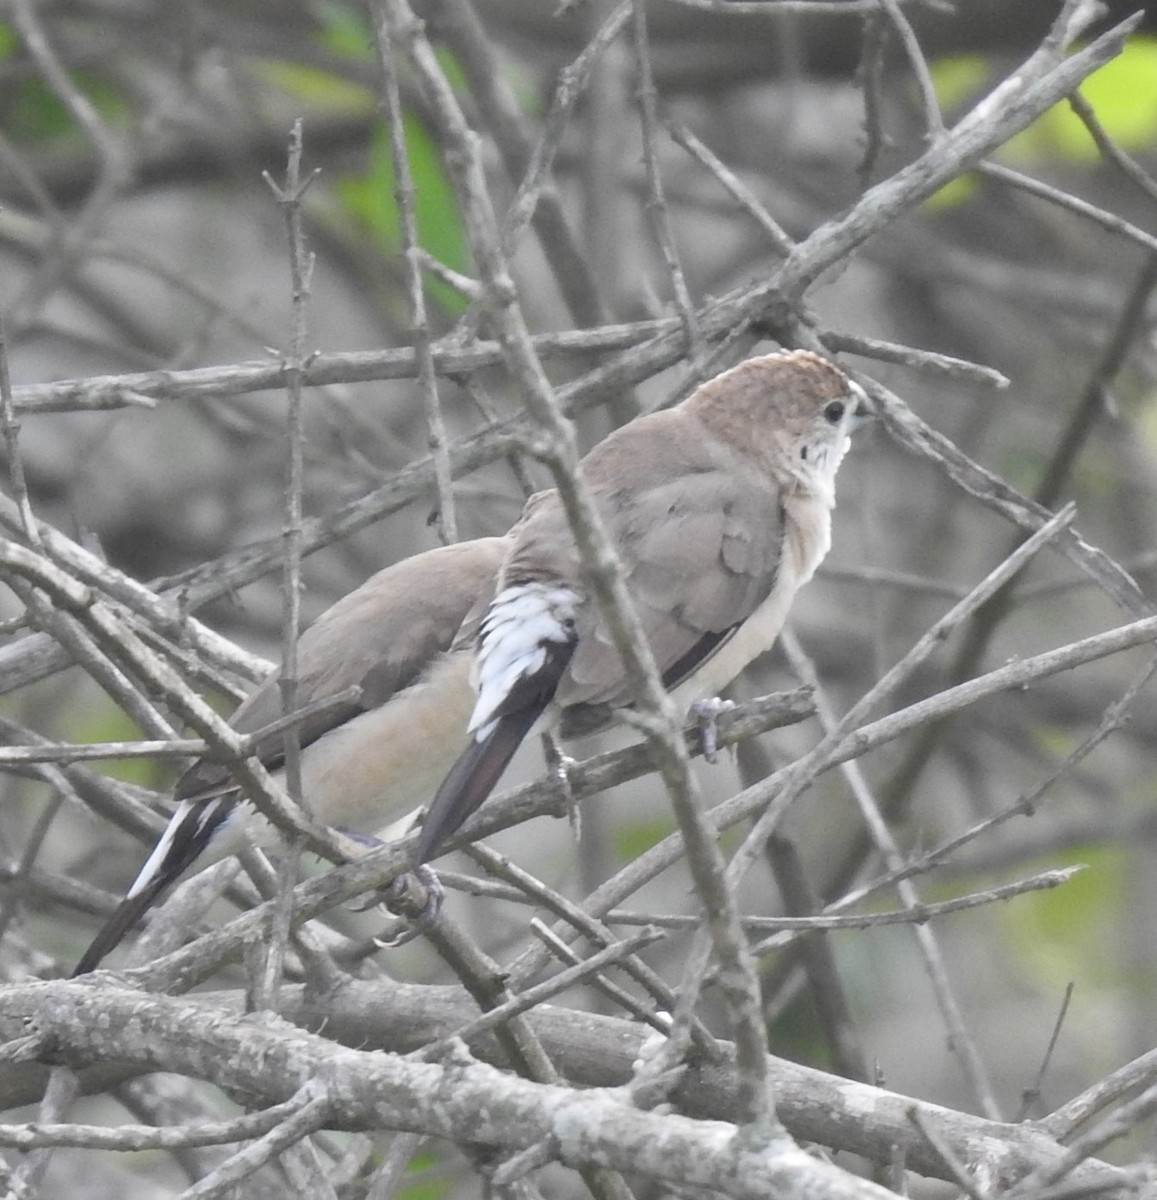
(524,646)
(188,833)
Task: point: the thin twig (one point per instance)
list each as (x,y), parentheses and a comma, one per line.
(311,1106)
(921,360)
(581,972)
(605,574)
(1123,1123)
(11,430)
(1031,1095)
(1110,150)
(595,931)
(732,184)
(62,1088)
(829,918)
(572,82)
(933,121)
(957,1169)
(1066,200)
(870,75)
(1062,1122)
(1089,409)
(502,113)
(289,198)
(135,1138)
(115,171)
(404,198)
(959,1038)
(51,752)
(656,202)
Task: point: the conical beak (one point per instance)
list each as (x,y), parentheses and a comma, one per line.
(864,410)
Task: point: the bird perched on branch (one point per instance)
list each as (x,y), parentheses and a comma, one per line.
(365,763)
(720,510)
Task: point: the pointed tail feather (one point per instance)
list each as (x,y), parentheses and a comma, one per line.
(525,644)
(184,840)
(471,780)
(127,914)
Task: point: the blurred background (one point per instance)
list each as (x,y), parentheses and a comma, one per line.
(137,234)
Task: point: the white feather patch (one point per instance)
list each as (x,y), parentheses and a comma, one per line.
(188,820)
(514,643)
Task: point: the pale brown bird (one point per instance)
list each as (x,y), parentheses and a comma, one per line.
(364,764)
(720,510)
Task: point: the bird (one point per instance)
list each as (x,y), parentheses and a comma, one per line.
(364,762)
(720,510)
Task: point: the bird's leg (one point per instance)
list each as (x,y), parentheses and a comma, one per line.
(416,897)
(559,764)
(705,713)
(652,1079)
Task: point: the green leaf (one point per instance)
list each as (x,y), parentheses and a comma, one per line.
(1059,934)
(325,92)
(1124,99)
(1121,94)
(631,838)
(432,1188)
(345,29)
(371,201)
(958,78)
(36,114)
(98,719)
(450,68)
(953,193)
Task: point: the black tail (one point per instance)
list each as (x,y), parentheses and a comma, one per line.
(471,779)
(183,842)
(127,914)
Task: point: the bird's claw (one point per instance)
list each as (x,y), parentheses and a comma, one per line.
(559,765)
(416,898)
(705,714)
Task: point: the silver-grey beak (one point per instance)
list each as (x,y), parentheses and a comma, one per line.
(864,410)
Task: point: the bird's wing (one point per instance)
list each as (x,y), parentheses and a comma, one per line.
(382,637)
(698,531)
(701,553)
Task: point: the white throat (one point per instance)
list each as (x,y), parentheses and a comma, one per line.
(817,472)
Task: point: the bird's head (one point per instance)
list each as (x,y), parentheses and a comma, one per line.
(792,411)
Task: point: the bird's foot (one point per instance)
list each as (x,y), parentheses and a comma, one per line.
(558,765)
(416,898)
(371,843)
(653,1078)
(705,713)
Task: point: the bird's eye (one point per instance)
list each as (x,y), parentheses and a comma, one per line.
(834,412)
